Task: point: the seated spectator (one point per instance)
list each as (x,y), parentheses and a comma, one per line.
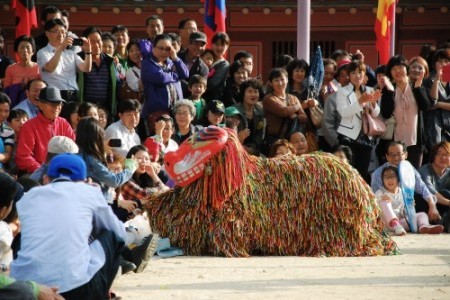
(253,125)
(214,114)
(91,142)
(164,128)
(19,74)
(30,103)
(344,153)
(37,132)
(6,133)
(88,239)
(390,199)
(58,64)
(16,119)
(184,111)
(104,117)
(298,140)
(281,147)
(395,153)
(145,181)
(70,112)
(56,145)
(124,129)
(87,109)
(436,176)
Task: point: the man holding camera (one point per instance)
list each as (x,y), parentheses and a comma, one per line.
(58,64)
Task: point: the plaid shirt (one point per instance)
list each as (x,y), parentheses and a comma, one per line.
(131,190)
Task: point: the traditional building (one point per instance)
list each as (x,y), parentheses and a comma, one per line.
(266,28)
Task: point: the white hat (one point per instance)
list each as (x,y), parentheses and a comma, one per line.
(62,144)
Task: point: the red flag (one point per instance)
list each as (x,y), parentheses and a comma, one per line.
(25,16)
(383,23)
(215,14)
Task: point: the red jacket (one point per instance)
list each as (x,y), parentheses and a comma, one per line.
(33,140)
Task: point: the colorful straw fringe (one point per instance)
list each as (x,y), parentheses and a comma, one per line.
(312,205)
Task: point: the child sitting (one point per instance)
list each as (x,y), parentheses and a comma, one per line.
(390,199)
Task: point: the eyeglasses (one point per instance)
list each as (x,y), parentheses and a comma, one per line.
(443,154)
(164,49)
(55,31)
(394,155)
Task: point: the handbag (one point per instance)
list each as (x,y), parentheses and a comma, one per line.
(390,128)
(372,126)
(316,116)
(126,93)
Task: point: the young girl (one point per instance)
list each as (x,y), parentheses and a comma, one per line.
(390,199)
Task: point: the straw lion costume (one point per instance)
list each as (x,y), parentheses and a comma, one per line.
(229,203)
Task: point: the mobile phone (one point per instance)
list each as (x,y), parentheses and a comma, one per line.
(77,42)
(446,73)
(115,143)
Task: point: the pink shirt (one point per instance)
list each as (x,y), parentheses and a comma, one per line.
(17,73)
(406,114)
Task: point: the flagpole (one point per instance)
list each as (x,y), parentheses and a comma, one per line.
(392,50)
(303,28)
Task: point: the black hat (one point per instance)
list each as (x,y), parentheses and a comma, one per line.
(50,94)
(216,106)
(197,36)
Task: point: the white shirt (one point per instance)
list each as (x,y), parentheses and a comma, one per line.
(128,137)
(57,220)
(132,79)
(64,77)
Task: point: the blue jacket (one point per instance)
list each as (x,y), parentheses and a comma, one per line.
(156,80)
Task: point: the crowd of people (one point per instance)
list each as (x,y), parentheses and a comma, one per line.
(119,104)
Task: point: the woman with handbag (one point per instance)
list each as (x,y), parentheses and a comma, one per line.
(407,100)
(283,111)
(352,101)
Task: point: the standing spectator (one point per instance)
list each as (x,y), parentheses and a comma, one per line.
(48,13)
(352,101)
(197,86)
(124,129)
(185,28)
(37,132)
(99,84)
(134,61)
(238,74)
(30,104)
(283,111)
(161,75)
(19,74)
(216,83)
(65,19)
(4,61)
(59,64)
(191,58)
(328,85)
(252,126)
(154,26)
(407,101)
(122,39)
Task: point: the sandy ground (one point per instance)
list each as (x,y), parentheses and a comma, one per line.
(421,272)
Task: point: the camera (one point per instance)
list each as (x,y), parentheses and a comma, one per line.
(77,42)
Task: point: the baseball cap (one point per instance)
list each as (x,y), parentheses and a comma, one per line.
(197,36)
(67,165)
(216,106)
(62,144)
(231,111)
(50,94)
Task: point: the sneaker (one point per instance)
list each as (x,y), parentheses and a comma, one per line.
(431,229)
(399,230)
(143,253)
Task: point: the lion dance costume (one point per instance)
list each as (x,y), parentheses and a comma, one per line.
(230,203)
